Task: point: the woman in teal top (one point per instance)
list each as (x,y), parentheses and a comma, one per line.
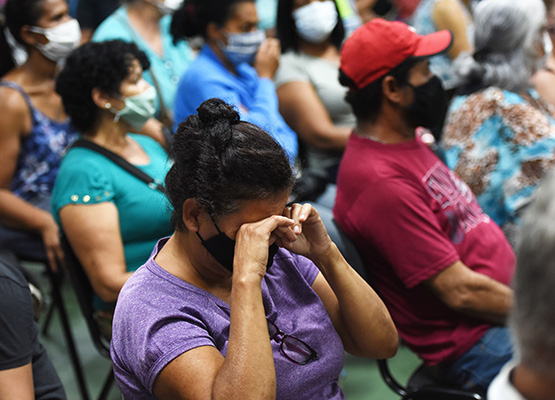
(147,24)
(111,218)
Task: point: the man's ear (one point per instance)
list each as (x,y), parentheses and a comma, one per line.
(192,214)
(391,90)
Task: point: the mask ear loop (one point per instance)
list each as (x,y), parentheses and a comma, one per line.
(215,224)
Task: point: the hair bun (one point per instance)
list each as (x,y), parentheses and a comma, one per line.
(215,111)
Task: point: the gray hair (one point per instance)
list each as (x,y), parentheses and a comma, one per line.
(505,32)
(532,319)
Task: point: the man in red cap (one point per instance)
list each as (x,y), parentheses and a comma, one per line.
(439,263)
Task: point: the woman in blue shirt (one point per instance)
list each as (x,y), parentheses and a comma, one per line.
(223,68)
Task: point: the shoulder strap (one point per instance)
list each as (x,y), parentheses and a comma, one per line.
(16,87)
(121,162)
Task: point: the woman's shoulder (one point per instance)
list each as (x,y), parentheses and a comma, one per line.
(13,97)
(146,142)
(291,266)
(115,26)
(487,98)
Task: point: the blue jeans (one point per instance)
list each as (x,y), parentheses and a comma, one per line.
(478,366)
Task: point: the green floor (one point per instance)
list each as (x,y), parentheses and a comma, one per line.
(361,380)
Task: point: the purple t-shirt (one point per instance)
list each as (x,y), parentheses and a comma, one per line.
(159,317)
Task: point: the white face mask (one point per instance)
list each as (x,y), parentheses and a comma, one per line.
(547,45)
(316,20)
(62,39)
(168,6)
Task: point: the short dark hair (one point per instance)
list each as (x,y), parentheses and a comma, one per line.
(366,102)
(102,65)
(17,14)
(287,31)
(221,161)
(193,17)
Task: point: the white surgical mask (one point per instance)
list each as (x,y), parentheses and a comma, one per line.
(316,20)
(138,109)
(168,6)
(62,39)
(547,45)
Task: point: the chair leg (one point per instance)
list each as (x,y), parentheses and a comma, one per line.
(107,385)
(58,301)
(47,319)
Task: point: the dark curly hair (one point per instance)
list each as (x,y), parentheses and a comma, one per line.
(287,31)
(17,14)
(103,65)
(193,17)
(221,161)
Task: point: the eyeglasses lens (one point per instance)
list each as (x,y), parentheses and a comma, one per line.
(294,349)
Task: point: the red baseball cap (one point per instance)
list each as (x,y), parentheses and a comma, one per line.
(377,47)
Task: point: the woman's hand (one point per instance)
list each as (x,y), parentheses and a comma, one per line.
(254,239)
(51,239)
(267,58)
(312,239)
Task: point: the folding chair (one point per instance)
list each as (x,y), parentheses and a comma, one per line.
(85,295)
(422,385)
(56,278)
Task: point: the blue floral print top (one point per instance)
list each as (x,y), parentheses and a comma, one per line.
(501,144)
(40,153)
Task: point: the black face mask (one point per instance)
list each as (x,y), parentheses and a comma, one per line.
(222,248)
(429,106)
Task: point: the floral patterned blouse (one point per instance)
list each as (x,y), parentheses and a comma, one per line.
(501,144)
(41,152)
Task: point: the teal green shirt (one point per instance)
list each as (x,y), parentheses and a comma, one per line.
(87,177)
(167,68)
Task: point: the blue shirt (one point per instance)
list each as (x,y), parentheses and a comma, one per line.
(255,98)
(501,144)
(167,68)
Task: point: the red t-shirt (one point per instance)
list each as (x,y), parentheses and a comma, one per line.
(411,217)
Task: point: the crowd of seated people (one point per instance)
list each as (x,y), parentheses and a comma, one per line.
(311,99)
(105,95)
(255,115)
(147,24)
(440,264)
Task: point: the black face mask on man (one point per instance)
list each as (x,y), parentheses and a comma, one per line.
(430,104)
(222,248)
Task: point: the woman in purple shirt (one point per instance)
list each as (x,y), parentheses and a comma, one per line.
(249,298)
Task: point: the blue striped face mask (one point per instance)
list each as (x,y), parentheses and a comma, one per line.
(242,47)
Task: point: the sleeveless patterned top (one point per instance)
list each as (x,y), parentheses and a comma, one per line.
(41,152)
